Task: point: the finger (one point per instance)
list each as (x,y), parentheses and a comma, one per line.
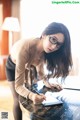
(43,97)
(59,87)
(56,86)
(40,100)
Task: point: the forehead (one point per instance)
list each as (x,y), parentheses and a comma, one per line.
(59,37)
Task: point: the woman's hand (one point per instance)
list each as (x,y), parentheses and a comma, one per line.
(53,87)
(37,99)
(56,87)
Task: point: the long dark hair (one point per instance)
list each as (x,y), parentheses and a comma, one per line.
(60,61)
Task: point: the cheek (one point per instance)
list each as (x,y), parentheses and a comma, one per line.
(46,45)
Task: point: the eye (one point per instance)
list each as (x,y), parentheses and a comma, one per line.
(52,40)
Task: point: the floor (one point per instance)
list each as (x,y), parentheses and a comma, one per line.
(6,100)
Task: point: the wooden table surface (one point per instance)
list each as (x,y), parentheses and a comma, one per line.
(37,112)
(66,111)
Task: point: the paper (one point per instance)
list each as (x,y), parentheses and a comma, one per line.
(51,100)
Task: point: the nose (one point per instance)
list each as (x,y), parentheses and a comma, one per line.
(53,47)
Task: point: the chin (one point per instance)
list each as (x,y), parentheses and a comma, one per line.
(48,51)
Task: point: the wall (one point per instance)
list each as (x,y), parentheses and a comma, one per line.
(5,11)
(7,8)
(36,15)
(15,12)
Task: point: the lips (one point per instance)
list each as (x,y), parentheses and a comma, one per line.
(50,50)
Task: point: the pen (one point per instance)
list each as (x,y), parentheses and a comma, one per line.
(37,92)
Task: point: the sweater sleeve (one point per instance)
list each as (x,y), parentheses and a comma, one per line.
(22,59)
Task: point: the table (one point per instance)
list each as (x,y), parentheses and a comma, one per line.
(65,111)
(37,112)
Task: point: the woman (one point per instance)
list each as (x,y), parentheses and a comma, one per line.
(53,48)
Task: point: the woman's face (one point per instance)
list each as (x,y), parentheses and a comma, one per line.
(52,42)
